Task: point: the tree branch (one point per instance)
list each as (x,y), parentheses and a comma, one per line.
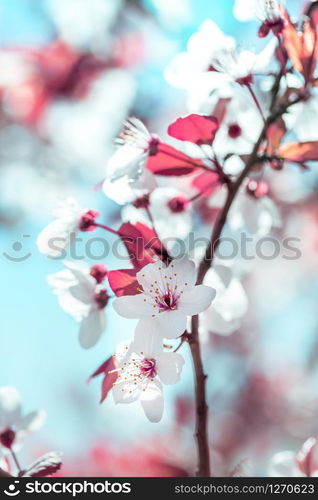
(201,426)
(201,416)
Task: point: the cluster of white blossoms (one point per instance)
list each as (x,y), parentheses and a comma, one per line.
(168,296)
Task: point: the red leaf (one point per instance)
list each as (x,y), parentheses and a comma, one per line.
(110,378)
(301,47)
(307,457)
(107,368)
(104,367)
(275,134)
(170,161)
(207,182)
(142,243)
(123,282)
(194,128)
(299,152)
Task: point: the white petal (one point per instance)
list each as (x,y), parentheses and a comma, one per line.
(231,302)
(126,161)
(147,341)
(10,407)
(170,324)
(185,270)
(55,237)
(283,464)
(213,322)
(126,392)
(61,280)
(169,366)
(76,308)
(83,292)
(68,210)
(32,421)
(150,274)
(91,328)
(196,300)
(152,401)
(134,306)
(224,273)
(119,190)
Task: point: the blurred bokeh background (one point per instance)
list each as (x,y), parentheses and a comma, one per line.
(70,72)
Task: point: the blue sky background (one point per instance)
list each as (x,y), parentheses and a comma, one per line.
(40,354)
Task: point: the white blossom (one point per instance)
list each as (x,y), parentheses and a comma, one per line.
(81,294)
(143,368)
(14,426)
(168,296)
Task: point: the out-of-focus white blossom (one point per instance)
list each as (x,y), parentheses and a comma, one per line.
(225,314)
(81,294)
(14,426)
(170,210)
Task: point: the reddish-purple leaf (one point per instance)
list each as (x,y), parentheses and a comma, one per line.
(301,46)
(275,134)
(123,282)
(299,152)
(48,464)
(170,161)
(207,182)
(142,244)
(109,369)
(194,128)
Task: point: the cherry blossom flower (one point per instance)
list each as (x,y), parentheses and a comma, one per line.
(168,296)
(82,295)
(14,426)
(225,314)
(143,368)
(240,128)
(213,62)
(267,11)
(70,219)
(303,463)
(135,145)
(122,192)
(168,207)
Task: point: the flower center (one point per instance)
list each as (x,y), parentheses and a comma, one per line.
(245,80)
(7,438)
(234,131)
(147,367)
(142,202)
(101,299)
(178,204)
(87,221)
(168,301)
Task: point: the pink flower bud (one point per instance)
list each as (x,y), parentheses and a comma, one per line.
(178,204)
(87,222)
(99,272)
(7,438)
